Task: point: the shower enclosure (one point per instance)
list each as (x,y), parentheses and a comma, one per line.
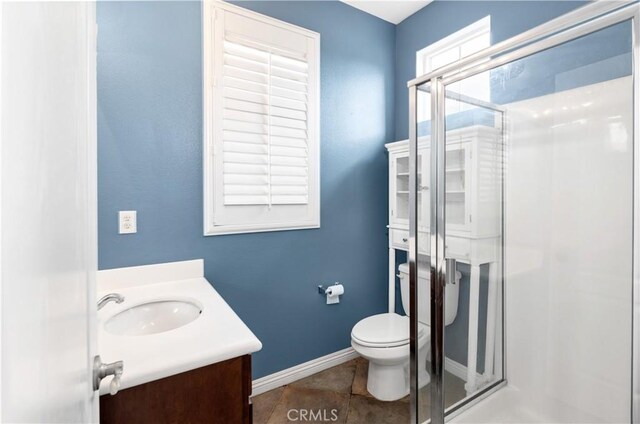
(524,177)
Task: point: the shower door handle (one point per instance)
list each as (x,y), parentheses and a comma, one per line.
(450,266)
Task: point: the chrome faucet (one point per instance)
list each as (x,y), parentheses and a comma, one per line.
(115,297)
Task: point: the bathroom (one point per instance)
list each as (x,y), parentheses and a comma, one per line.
(227,307)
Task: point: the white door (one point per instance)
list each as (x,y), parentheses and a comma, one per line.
(47,211)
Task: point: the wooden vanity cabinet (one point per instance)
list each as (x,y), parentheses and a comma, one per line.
(217,393)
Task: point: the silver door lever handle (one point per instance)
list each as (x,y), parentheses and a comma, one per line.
(102,370)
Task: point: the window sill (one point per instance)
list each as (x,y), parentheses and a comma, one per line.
(221,230)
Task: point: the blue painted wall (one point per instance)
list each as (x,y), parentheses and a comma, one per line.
(594,58)
(150,160)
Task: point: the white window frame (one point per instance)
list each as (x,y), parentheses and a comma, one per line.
(312,220)
(482,27)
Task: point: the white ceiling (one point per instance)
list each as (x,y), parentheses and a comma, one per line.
(389,10)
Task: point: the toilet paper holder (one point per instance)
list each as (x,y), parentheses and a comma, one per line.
(333,293)
(322,290)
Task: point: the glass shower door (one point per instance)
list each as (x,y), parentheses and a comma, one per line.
(535,186)
(422,377)
(474,170)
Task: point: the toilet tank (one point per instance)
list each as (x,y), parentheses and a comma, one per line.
(424,294)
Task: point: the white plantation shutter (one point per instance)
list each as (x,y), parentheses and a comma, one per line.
(262,132)
(265,141)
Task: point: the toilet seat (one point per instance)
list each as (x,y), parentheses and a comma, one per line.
(384,331)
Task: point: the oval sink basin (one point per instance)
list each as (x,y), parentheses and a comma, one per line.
(153,317)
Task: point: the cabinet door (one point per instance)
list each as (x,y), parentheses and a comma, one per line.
(399,189)
(458,186)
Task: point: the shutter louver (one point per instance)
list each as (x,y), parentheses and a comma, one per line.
(264,121)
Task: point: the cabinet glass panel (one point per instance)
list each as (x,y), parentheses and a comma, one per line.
(456,187)
(400,189)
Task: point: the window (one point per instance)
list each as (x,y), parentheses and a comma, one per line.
(261,123)
(464,42)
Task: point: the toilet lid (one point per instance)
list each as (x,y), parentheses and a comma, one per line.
(384,330)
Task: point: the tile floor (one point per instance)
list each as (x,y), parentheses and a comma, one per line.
(342,388)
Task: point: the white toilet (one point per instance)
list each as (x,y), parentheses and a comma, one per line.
(383,339)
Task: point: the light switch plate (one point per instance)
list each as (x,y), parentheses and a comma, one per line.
(128,222)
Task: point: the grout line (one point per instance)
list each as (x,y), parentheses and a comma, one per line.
(355,374)
(346,418)
(350,392)
(277,402)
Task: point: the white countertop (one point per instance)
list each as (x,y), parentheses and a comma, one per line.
(216,335)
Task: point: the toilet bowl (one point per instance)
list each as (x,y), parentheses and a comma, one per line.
(383,339)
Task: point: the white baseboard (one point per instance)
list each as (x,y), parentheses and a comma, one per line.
(298,372)
(458,369)
(306,369)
